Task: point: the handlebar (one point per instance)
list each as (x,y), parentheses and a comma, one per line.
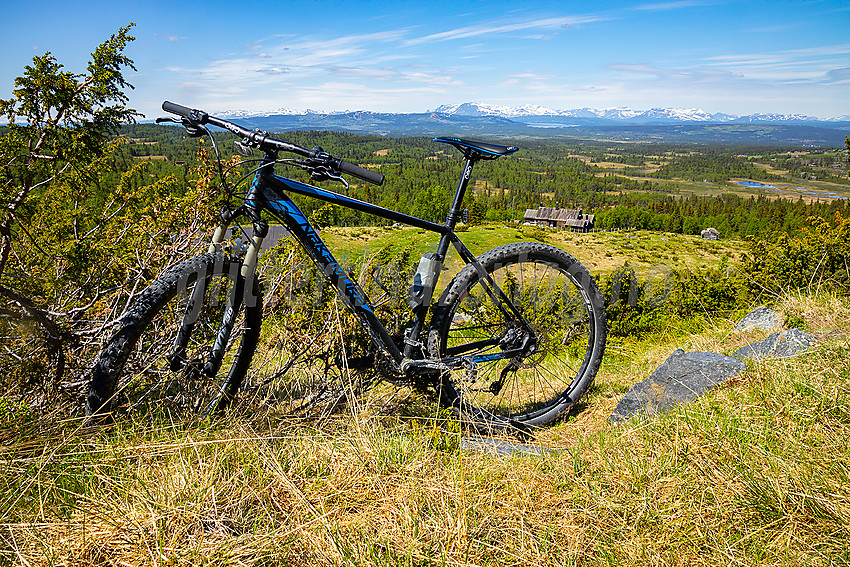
(359,172)
(262,141)
(175,108)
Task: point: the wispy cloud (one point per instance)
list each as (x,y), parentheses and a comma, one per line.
(169,37)
(562,22)
(437,61)
(838,76)
(786,54)
(273,70)
(672,74)
(790,65)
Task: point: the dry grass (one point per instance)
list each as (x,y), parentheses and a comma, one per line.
(757,473)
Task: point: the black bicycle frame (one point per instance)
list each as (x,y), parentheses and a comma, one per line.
(268,191)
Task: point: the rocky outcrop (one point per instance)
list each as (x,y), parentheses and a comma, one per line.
(778,345)
(685,376)
(681,378)
(761,317)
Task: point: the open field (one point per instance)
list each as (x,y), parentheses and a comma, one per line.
(599,252)
(790,188)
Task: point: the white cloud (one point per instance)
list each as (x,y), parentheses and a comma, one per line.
(838,76)
(807,64)
(690,75)
(493,28)
(407,70)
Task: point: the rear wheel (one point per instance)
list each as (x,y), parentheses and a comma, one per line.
(524,371)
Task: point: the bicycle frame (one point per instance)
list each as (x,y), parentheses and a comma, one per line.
(268,192)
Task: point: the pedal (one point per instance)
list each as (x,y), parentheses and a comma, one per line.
(177,360)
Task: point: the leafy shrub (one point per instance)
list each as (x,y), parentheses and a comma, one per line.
(536,233)
(80,237)
(639,307)
(706,291)
(300,301)
(634,308)
(818,257)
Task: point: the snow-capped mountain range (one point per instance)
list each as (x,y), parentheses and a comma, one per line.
(540,115)
(238,114)
(478,120)
(653,115)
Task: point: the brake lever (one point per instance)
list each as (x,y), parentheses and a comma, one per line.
(243,148)
(340,179)
(323,173)
(319,171)
(192,128)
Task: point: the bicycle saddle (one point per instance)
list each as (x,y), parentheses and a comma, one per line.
(478,150)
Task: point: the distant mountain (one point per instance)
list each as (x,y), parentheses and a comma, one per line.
(530,121)
(622,114)
(388,124)
(242,114)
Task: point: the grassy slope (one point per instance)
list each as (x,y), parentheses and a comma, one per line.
(599,252)
(756,473)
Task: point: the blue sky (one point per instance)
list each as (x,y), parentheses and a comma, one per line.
(738,57)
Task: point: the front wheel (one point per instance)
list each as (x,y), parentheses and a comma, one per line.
(525,365)
(142,368)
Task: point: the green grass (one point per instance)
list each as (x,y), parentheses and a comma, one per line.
(755,473)
(599,252)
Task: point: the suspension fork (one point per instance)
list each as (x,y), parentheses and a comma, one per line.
(242,281)
(244,285)
(177,357)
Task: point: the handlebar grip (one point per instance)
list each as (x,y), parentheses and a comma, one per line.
(174,108)
(364,174)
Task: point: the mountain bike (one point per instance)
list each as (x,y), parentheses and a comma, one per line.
(513,341)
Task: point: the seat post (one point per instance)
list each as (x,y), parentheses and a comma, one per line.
(454,211)
(472,151)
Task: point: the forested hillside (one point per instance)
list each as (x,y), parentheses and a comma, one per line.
(421,176)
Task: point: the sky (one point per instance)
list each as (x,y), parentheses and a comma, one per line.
(734,56)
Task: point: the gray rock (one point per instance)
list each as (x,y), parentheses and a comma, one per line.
(681,378)
(499,447)
(760,318)
(778,345)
